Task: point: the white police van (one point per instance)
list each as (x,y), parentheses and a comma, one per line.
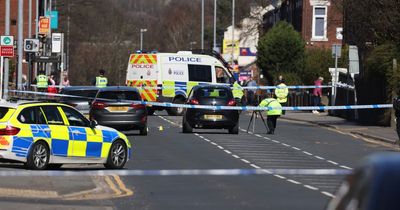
(169,77)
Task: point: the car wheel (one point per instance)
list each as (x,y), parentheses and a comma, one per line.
(186,128)
(117,155)
(38,158)
(234,129)
(54,166)
(176,111)
(143,131)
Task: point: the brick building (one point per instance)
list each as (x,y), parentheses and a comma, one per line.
(14,26)
(319,22)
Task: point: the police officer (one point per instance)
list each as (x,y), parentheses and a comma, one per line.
(237,92)
(272,114)
(41,81)
(101,81)
(281,93)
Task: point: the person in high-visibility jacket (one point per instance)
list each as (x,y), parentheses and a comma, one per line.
(237,92)
(41,81)
(100,81)
(281,93)
(272,114)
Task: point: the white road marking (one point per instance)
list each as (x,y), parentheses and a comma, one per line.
(279,176)
(307,153)
(276,141)
(220,147)
(267,138)
(286,145)
(334,163)
(235,156)
(258,135)
(318,157)
(327,194)
(296,148)
(345,167)
(227,151)
(292,181)
(310,187)
(244,160)
(267,171)
(213,143)
(255,166)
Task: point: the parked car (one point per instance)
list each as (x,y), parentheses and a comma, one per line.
(215,95)
(48,135)
(374,185)
(114,107)
(83,94)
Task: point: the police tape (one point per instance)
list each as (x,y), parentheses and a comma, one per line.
(244,88)
(182,172)
(217,107)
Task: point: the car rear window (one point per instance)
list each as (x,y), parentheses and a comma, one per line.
(120,95)
(213,93)
(85,94)
(3,114)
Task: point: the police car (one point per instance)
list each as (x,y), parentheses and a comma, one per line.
(47,135)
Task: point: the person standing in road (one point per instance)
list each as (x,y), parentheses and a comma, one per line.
(281,93)
(251,92)
(41,82)
(101,81)
(272,114)
(317,93)
(237,92)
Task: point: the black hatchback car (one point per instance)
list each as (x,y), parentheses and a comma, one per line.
(114,107)
(214,95)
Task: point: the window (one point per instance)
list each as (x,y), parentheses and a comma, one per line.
(221,75)
(199,73)
(3,112)
(74,117)
(31,115)
(219,93)
(120,95)
(53,116)
(28,116)
(319,23)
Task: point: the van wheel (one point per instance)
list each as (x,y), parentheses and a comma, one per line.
(186,128)
(117,155)
(38,158)
(234,129)
(176,111)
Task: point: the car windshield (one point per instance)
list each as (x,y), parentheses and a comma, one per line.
(219,93)
(85,95)
(119,95)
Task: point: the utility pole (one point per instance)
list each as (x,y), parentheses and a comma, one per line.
(233,32)
(215,26)
(30,19)
(20,41)
(6,60)
(142,30)
(202,24)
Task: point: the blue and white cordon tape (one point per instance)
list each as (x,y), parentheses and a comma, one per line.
(244,88)
(241,108)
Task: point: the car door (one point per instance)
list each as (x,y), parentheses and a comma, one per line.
(57,130)
(87,142)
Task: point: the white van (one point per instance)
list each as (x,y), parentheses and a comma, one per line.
(174,74)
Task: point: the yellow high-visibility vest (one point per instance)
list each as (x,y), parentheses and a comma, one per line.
(42,81)
(101,82)
(282,93)
(237,90)
(271,102)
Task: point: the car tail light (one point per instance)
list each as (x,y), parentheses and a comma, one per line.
(138,106)
(99,105)
(232,103)
(194,101)
(9,131)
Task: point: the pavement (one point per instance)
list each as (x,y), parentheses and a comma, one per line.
(379,133)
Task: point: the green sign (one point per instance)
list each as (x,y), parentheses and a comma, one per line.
(7,40)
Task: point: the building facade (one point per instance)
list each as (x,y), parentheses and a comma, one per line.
(320,22)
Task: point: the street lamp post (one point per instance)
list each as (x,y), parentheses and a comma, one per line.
(215,26)
(202,24)
(233,31)
(142,30)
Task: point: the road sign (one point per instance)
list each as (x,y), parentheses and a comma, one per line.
(54,18)
(7,40)
(7,51)
(56,40)
(336,50)
(44,25)
(31,45)
(353,60)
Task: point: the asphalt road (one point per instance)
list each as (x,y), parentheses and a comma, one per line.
(294,146)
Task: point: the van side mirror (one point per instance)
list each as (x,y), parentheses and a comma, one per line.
(93,124)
